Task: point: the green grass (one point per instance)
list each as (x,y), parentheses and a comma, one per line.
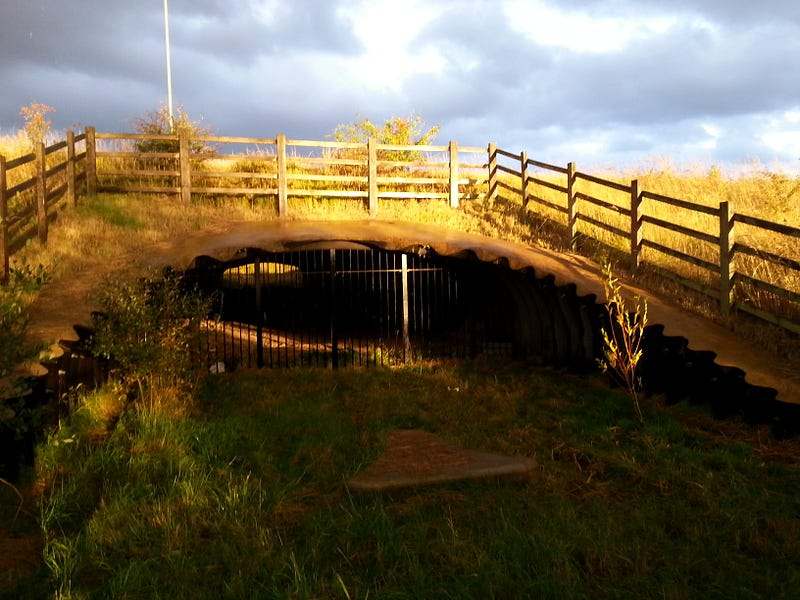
(242,491)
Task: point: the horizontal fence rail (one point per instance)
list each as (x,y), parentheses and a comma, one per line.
(722,259)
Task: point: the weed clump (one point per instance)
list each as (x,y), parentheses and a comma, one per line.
(622,339)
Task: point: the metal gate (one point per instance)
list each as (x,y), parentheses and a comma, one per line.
(335,307)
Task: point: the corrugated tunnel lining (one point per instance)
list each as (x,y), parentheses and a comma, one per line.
(55,318)
(412,303)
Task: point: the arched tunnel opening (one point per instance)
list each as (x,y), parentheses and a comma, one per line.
(352,304)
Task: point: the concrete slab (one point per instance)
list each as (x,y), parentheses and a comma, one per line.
(416,458)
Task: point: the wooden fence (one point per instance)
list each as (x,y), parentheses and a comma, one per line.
(280,169)
(32,187)
(632,220)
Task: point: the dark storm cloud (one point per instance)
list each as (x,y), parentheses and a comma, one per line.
(258,67)
(681,75)
(237,30)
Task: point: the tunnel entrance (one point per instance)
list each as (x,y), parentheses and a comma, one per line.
(351,304)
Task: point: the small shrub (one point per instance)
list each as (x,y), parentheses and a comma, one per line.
(18,418)
(14,318)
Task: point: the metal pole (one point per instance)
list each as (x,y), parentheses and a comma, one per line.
(169,68)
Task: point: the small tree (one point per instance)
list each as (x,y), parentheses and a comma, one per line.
(622,339)
(37,126)
(158,122)
(401,131)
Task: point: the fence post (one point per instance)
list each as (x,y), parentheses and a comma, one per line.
(491,194)
(372,178)
(283,194)
(71,197)
(453,148)
(185,166)
(41,191)
(523,171)
(636,226)
(727,271)
(3,218)
(91,162)
(572,207)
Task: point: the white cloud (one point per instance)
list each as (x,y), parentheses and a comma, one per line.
(387,30)
(713,132)
(581,31)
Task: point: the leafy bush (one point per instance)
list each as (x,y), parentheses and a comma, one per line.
(401,131)
(158,122)
(17,417)
(14,319)
(149,329)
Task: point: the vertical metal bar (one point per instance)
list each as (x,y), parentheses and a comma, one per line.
(383,313)
(334,339)
(322,295)
(241,327)
(355,305)
(404,278)
(259,314)
(347,277)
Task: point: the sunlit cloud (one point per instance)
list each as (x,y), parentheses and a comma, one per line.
(391,54)
(713,132)
(581,31)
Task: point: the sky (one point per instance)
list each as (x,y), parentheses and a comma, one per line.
(604,83)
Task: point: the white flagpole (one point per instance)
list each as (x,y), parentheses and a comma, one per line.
(169,68)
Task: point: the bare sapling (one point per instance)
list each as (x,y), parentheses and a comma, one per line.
(622,339)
